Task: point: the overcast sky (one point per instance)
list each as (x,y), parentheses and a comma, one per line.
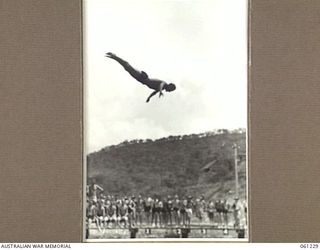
(199,45)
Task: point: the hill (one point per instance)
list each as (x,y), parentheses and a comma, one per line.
(189,164)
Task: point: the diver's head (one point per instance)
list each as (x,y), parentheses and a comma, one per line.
(170,87)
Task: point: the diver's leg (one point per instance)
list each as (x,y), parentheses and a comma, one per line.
(131,70)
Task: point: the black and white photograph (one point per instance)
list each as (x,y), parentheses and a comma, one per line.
(165,120)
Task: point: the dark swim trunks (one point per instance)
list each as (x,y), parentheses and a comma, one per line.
(142,77)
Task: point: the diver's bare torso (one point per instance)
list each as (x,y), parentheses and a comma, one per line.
(153,83)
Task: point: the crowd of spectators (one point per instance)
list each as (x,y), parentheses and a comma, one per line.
(112,211)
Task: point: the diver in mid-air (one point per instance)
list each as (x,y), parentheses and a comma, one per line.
(141,76)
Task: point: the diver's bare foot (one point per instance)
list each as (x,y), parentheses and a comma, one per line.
(110,55)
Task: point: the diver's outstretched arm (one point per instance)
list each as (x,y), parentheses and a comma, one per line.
(152,94)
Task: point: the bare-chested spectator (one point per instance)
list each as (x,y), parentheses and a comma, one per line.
(225,211)
(122,209)
(170,212)
(101,214)
(111,214)
(189,210)
(165,212)
(140,203)
(183,211)
(176,209)
(236,207)
(93,214)
(198,210)
(132,210)
(148,210)
(219,210)
(203,205)
(156,213)
(210,211)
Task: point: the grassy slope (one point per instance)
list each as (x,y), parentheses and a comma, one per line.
(171,165)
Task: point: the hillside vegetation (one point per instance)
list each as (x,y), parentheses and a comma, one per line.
(187,165)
